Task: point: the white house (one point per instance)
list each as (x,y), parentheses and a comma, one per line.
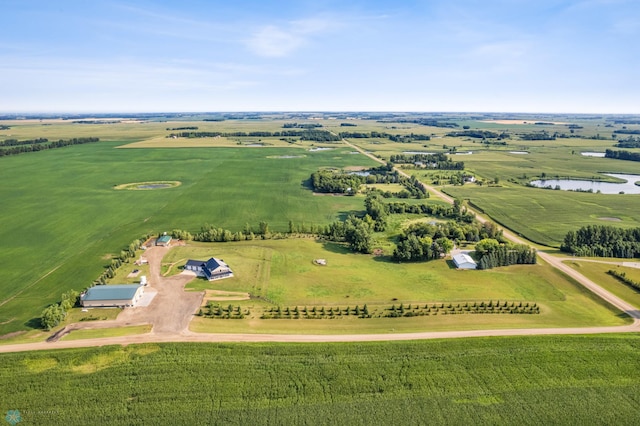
(212,269)
(464,261)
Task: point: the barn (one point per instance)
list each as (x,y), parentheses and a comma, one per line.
(164,241)
(464,261)
(112,295)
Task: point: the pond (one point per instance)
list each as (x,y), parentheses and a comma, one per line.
(154,186)
(417,152)
(629,187)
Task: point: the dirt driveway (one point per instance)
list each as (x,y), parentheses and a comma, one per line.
(169,312)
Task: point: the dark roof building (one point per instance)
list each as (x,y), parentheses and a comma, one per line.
(212,269)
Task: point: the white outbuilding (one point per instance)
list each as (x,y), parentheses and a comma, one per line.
(464,261)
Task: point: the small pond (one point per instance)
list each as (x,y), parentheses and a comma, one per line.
(361,173)
(629,187)
(154,186)
(320,149)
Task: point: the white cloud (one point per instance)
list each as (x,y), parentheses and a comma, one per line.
(272,41)
(279,41)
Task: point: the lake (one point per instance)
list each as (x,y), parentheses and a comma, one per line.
(628,187)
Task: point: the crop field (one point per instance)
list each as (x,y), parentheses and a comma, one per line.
(545,216)
(523,380)
(282,273)
(62,218)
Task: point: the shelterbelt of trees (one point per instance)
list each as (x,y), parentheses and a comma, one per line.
(629,142)
(34,145)
(339,182)
(622,155)
(394,138)
(603,241)
(438,161)
(306,135)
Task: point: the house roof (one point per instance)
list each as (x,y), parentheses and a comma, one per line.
(192,262)
(212,264)
(112,292)
(461,258)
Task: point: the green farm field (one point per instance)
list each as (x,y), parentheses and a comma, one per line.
(517,380)
(282,272)
(62,218)
(545,216)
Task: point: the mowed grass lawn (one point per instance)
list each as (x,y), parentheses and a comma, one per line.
(545,216)
(283,273)
(564,380)
(61,217)
(597,272)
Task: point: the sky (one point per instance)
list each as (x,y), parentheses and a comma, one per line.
(573,56)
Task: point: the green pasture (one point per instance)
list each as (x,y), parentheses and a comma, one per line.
(568,380)
(282,272)
(62,219)
(107,332)
(544,216)
(597,272)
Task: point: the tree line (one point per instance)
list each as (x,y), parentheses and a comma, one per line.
(622,155)
(622,277)
(627,132)
(301,125)
(493,254)
(629,142)
(36,145)
(537,136)
(16,142)
(603,241)
(479,134)
(307,134)
(394,138)
(439,161)
(423,122)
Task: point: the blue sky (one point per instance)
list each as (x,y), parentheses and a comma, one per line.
(441,55)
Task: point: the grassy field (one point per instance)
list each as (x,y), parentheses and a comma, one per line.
(597,272)
(61,217)
(569,380)
(282,272)
(107,332)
